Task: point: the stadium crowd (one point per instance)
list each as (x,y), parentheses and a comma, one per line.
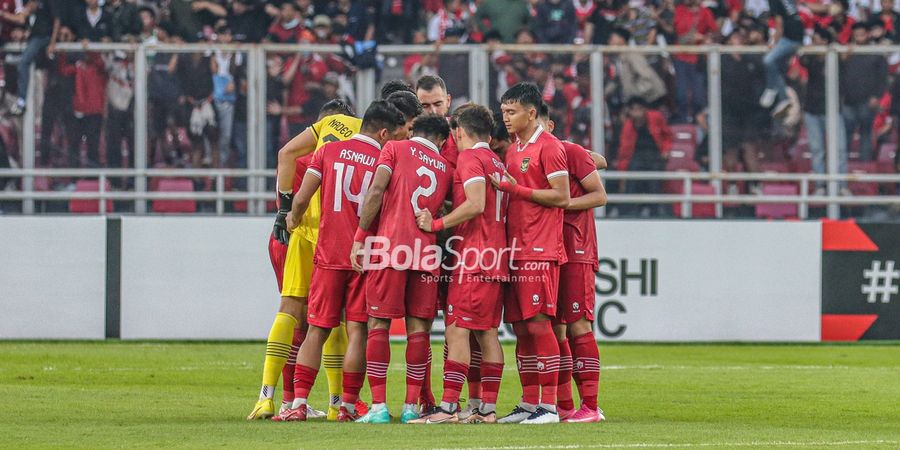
(656,118)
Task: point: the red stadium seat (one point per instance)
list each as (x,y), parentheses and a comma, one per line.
(699,210)
(683,150)
(89,206)
(777,167)
(678,165)
(778,210)
(862,167)
(886,157)
(174,206)
(684,133)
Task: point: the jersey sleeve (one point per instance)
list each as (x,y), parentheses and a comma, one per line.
(470,169)
(317,128)
(580,163)
(315,165)
(553,159)
(387,159)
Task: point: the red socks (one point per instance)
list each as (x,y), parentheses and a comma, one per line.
(564,384)
(474,376)
(491,374)
(586,369)
(287,373)
(304,377)
(352,383)
(547,350)
(378,358)
(427,396)
(526,363)
(417,346)
(454,378)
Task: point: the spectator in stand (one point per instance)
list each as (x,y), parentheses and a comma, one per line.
(164,93)
(454,68)
(42,36)
(120,109)
(398,20)
(890,19)
(553,23)
(694,25)
(600,23)
(644,146)
(323,31)
(57,109)
(637,18)
(93,24)
(788,39)
(194,73)
(505,16)
(247,20)
(275,88)
(194,19)
(863,81)
(584,9)
(147,35)
(12,14)
(840,23)
(223,66)
(452,15)
(814,110)
(743,120)
(664,15)
(125,20)
(289,28)
(354,18)
(88,103)
(634,75)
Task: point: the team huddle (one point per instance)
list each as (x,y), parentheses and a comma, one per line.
(406,212)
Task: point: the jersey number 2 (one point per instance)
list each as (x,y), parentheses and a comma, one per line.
(423,191)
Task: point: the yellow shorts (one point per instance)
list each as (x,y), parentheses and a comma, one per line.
(298,266)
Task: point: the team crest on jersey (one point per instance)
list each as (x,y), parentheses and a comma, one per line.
(535,299)
(524,166)
(575,307)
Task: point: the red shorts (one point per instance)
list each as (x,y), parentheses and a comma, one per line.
(334,291)
(474,303)
(533,291)
(394,294)
(576,293)
(277,255)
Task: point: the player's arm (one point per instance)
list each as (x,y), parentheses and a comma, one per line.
(595,193)
(311,182)
(370,209)
(555,197)
(469,209)
(301,145)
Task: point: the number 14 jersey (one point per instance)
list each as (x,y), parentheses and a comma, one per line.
(346,169)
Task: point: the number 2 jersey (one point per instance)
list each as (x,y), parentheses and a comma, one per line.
(420,179)
(346,169)
(485,232)
(334,128)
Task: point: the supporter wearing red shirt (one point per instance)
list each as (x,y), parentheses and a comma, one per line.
(693,26)
(89,101)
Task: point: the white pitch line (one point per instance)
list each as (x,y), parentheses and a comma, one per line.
(684,445)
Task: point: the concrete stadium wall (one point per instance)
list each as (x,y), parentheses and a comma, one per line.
(210,278)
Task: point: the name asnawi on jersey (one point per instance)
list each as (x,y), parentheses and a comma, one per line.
(350,155)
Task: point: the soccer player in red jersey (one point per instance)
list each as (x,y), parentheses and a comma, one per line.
(575,313)
(401,260)
(480,263)
(539,192)
(344,170)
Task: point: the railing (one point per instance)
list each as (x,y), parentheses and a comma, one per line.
(478,89)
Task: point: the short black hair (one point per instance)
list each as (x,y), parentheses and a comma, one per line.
(499,132)
(382,114)
(475,119)
(394,86)
(622,32)
(544,111)
(525,93)
(336,106)
(431,126)
(428,82)
(407,103)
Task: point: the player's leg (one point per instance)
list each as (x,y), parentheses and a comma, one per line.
(526,359)
(585,371)
(565,405)
(287,373)
(421,307)
(473,379)
(307,368)
(538,309)
(354,368)
(570,302)
(456,365)
(491,375)
(333,360)
(278,349)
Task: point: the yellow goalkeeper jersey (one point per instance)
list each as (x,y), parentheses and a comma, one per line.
(338,127)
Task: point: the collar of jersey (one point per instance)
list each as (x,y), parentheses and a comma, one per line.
(367,140)
(483,145)
(426,143)
(534,137)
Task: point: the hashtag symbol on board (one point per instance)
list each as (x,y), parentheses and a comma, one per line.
(880,282)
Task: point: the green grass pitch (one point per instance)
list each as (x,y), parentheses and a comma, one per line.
(195,395)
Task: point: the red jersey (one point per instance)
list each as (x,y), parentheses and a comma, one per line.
(346,169)
(579,228)
(485,231)
(300,166)
(534,229)
(420,179)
